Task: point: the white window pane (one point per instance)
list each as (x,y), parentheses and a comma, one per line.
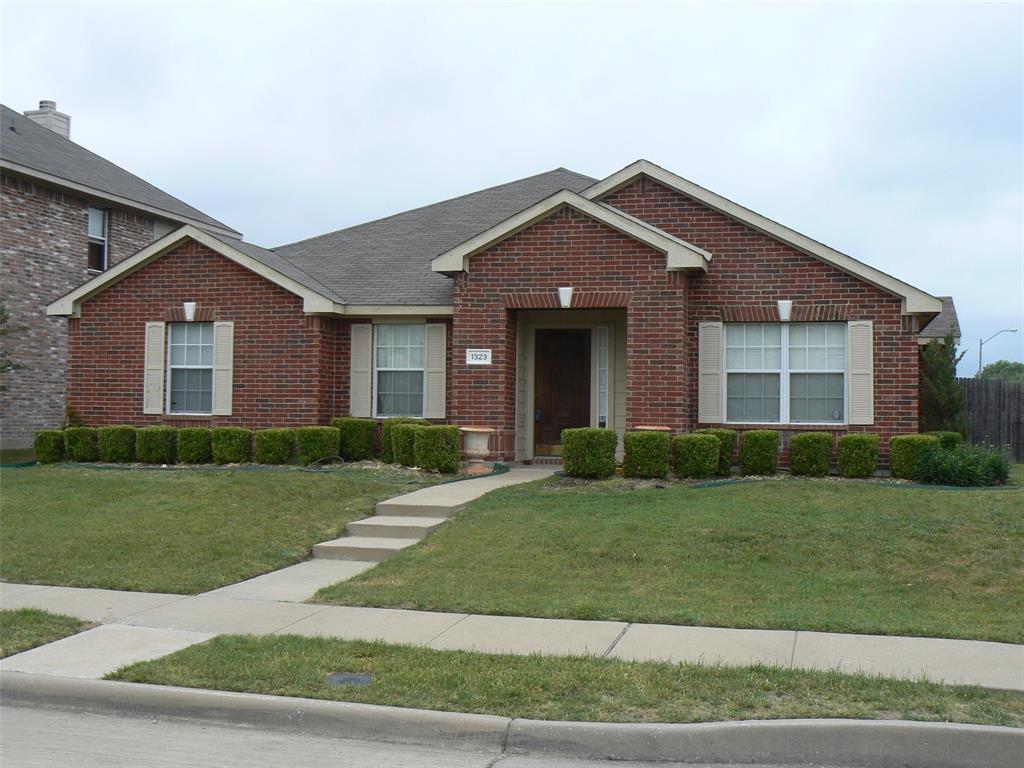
(816,358)
(753,359)
(734,359)
(177,355)
(754,336)
(400,357)
(416,357)
(193,333)
(192,355)
(417,334)
(97,223)
(734,335)
(178,333)
(773,357)
(206,357)
(798,335)
(401,335)
(207,332)
(836,335)
(798,359)
(384,357)
(836,359)
(816,334)
(772,335)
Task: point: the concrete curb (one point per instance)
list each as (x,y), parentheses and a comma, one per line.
(853,743)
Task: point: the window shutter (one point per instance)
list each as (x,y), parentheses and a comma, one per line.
(861,372)
(709,373)
(360,373)
(434,372)
(153,376)
(223,364)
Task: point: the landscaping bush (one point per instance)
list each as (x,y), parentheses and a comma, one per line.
(589,451)
(646,454)
(726,447)
(273,446)
(948,439)
(49,446)
(317,443)
(356,442)
(82,443)
(759,452)
(965,465)
(387,454)
(437,449)
(906,450)
(403,443)
(810,454)
(695,455)
(230,445)
(156,445)
(858,455)
(117,444)
(194,445)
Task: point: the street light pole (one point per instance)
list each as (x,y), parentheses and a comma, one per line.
(986,341)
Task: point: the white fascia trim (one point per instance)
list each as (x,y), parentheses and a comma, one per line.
(69,305)
(679,254)
(915,301)
(92,192)
(398,310)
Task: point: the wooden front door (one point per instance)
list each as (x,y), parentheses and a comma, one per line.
(561,396)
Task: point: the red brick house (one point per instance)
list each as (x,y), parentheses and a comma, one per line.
(550,302)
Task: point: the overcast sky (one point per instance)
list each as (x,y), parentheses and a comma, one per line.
(894,133)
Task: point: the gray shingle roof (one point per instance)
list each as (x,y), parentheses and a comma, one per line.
(942,323)
(40,149)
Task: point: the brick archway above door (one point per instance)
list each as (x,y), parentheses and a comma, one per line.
(580,300)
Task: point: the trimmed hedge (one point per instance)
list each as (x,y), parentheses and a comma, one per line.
(858,455)
(117,444)
(82,443)
(906,450)
(589,451)
(49,446)
(194,445)
(387,454)
(810,454)
(156,445)
(726,447)
(970,466)
(695,455)
(317,443)
(948,439)
(403,443)
(273,446)
(759,452)
(437,448)
(646,454)
(356,442)
(231,445)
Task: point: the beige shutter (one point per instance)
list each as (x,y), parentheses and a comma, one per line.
(223,367)
(709,373)
(434,372)
(861,371)
(153,376)
(360,373)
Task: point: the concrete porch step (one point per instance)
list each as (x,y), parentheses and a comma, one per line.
(398,508)
(367,548)
(396,527)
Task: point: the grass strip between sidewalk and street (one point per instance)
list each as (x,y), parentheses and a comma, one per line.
(583,688)
(27,628)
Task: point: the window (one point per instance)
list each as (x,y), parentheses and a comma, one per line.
(97,239)
(602,376)
(399,354)
(190,369)
(785,373)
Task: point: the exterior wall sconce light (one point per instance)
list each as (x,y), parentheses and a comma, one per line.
(190,310)
(565,297)
(785,310)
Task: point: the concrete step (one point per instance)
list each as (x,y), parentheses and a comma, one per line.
(367,548)
(398,508)
(399,527)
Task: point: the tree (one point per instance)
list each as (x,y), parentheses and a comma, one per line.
(942,399)
(1003,369)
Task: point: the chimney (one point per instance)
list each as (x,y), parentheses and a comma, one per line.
(48,117)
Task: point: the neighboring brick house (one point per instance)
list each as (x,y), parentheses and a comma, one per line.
(66,215)
(550,302)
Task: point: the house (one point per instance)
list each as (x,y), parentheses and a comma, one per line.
(550,302)
(66,215)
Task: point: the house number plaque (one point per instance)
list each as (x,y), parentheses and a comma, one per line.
(478,357)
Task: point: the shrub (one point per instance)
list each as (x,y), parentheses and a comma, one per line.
(194,445)
(49,446)
(948,439)
(646,454)
(810,454)
(906,450)
(403,443)
(356,442)
(726,447)
(437,449)
(230,445)
(589,451)
(273,446)
(156,445)
(965,465)
(858,455)
(759,452)
(695,455)
(317,443)
(117,444)
(82,443)
(387,454)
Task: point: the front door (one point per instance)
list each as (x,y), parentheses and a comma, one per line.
(561,397)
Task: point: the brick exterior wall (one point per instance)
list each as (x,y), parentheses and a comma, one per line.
(43,255)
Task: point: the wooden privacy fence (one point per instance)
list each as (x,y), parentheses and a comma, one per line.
(994,413)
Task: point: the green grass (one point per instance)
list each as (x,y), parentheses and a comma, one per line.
(830,555)
(27,628)
(561,688)
(177,530)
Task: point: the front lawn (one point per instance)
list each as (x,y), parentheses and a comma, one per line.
(176,530)
(830,555)
(561,688)
(27,628)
